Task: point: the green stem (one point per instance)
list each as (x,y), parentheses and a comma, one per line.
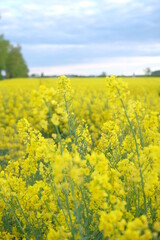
(59,138)
(140,132)
(17,220)
(137,150)
(77,212)
(70,218)
(25,216)
(59,201)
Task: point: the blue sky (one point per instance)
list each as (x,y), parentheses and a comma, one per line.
(84,37)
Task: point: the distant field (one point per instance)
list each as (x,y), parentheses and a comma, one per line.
(140,84)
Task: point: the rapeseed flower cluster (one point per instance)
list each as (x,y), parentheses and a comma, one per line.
(79,164)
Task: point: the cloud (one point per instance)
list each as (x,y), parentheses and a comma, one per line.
(117,66)
(63,32)
(80,22)
(62,54)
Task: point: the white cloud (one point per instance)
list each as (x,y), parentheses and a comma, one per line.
(118,2)
(84,32)
(118,65)
(143,48)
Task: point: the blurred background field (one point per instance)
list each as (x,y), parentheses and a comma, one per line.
(139,84)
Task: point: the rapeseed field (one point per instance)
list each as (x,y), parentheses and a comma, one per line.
(80,159)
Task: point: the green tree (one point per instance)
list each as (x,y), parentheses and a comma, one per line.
(4,49)
(15,64)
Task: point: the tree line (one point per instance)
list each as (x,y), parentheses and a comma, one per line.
(12,63)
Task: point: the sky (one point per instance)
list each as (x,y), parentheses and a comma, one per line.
(84,37)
